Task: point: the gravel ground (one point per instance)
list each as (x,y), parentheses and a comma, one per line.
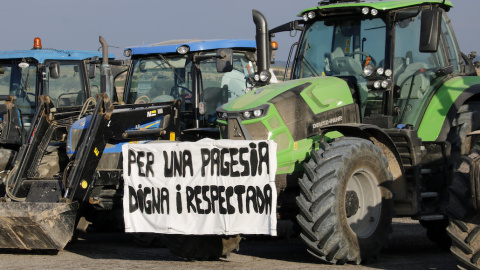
(408,248)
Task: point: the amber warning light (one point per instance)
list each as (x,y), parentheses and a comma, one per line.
(37,43)
(274,45)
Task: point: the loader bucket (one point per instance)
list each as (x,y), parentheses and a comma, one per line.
(31,226)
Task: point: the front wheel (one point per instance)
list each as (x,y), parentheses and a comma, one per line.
(345,201)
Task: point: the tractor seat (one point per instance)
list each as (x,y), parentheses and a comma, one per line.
(421,82)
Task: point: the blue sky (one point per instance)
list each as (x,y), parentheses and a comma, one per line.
(67,24)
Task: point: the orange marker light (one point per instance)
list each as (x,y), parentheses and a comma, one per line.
(367,61)
(274,45)
(37,43)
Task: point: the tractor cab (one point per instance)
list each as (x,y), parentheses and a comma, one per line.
(60,74)
(202,74)
(394,54)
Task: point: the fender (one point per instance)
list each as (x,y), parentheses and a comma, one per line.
(367,132)
(443,107)
(381,139)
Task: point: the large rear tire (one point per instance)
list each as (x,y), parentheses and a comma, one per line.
(467,120)
(464,228)
(201,247)
(346,204)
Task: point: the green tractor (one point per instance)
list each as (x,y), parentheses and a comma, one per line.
(380,107)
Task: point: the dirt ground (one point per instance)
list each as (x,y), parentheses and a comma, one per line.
(408,248)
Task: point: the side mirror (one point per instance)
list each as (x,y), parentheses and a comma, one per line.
(224,60)
(54,67)
(430,30)
(92,70)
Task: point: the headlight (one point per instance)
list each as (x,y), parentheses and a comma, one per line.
(127,53)
(222,115)
(368,70)
(264,76)
(365,10)
(377,84)
(183,49)
(380,71)
(247,114)
(305,17)
(23,65)
(385,83)
(257,113)
(256,77)
(311,15)
(388,72)
(374,12)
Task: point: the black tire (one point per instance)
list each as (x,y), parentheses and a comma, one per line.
(464,227)
(201,247)
(467,120)
(340,224)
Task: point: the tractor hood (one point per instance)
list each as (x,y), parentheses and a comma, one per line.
(289,113)
(313,90)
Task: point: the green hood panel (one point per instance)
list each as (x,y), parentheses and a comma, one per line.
(383,5)
(320,93)
(440,105)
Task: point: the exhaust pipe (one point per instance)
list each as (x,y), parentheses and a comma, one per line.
(106,77)
(263,42)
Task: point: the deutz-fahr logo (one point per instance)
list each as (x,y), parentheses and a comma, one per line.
(330,121)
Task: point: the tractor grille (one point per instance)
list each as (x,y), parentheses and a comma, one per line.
(234,130)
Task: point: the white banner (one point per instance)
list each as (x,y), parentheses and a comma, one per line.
(206,187)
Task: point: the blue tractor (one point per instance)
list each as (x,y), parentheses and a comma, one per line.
(203,74)
(66,76)
(171,94)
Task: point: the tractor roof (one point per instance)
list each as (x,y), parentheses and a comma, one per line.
(379,5)
(194,45)
(51,54)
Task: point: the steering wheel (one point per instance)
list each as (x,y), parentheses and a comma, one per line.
(142,100)
(175,91)
(364,54)
(162,98)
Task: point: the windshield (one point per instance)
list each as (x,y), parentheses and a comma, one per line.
(68,89)
(157,79)
(167,77)
(19,80)
(220,88)
(341,47)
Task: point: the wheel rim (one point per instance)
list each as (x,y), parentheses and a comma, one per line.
(363,203)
